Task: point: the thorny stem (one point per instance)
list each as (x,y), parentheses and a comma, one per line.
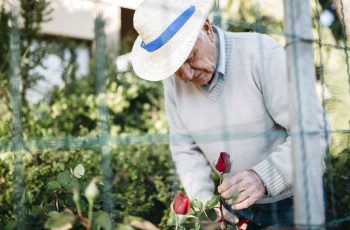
(79,210)
(77,204)
(206,215)
(221,200)
(177,223)
(91,205)
(85,222)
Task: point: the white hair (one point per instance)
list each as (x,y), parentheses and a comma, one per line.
(202,33)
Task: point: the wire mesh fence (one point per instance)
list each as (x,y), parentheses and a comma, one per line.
(115,125)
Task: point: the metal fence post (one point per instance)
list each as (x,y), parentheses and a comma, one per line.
(102,114)
(17,132)
(306,146)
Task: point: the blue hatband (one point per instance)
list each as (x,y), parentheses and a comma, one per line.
(169,32)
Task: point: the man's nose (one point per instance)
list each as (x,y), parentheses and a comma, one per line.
(186,72)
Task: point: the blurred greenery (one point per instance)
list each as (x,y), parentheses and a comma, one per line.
(142,180)
(143,176)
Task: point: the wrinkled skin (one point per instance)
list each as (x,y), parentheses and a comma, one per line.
(200,64)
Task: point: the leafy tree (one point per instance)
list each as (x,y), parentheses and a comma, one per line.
(335,8)
(33,13)
(33,51)
(4,75)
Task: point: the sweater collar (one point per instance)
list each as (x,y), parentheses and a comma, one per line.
(221,49)
(220,57)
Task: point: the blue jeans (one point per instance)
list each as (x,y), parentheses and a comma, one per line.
(278,214)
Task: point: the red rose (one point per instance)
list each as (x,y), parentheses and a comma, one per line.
(181,204)
(241,222)
(223,165)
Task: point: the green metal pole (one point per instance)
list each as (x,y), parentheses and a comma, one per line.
(17,136)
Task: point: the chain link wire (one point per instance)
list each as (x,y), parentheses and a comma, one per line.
(94,142)
(346,47)
(345,41)
(102,115)
(104,142)
(322,80)
(17,132)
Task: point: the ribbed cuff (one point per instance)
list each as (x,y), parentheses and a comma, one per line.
(272,178)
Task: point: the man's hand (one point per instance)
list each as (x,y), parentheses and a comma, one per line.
(247,184)
(228,216)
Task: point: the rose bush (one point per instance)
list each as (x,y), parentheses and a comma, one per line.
(194,214)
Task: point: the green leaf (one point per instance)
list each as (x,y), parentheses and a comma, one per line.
(79,171)
(197,204)
(11,225)
(197,226)
(172,219)
(202,216)
(73,184)
(104,220)
(53,214)
(212,214)
(192,212)
(60,220)
(53,185)
(124,227)
(212,202)
(35,211)
(64,178)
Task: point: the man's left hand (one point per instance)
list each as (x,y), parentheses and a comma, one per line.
(247,184)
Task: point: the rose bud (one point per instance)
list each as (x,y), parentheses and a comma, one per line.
(241,222)
(181,204)
(223,165)
(91,191)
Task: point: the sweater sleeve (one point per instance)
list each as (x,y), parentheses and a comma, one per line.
(276,170)
(191,165)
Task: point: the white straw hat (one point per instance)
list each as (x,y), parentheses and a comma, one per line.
(167,30)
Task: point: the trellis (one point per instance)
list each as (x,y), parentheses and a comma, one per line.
(309,201)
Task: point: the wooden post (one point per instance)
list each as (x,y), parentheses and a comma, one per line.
(306,144)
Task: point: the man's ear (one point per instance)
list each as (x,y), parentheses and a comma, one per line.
(208,29)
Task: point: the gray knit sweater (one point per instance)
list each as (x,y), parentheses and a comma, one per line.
(246,114)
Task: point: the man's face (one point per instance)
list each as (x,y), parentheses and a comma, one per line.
(200,64)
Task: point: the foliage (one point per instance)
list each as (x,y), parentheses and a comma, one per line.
(200,215)
(142,174)
(186,214)
(337,185)
(4,75)
(33,50)
(247,17)
(336,26)
(141,183)
(134,106)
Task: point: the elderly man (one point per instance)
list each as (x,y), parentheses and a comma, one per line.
(223,92)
